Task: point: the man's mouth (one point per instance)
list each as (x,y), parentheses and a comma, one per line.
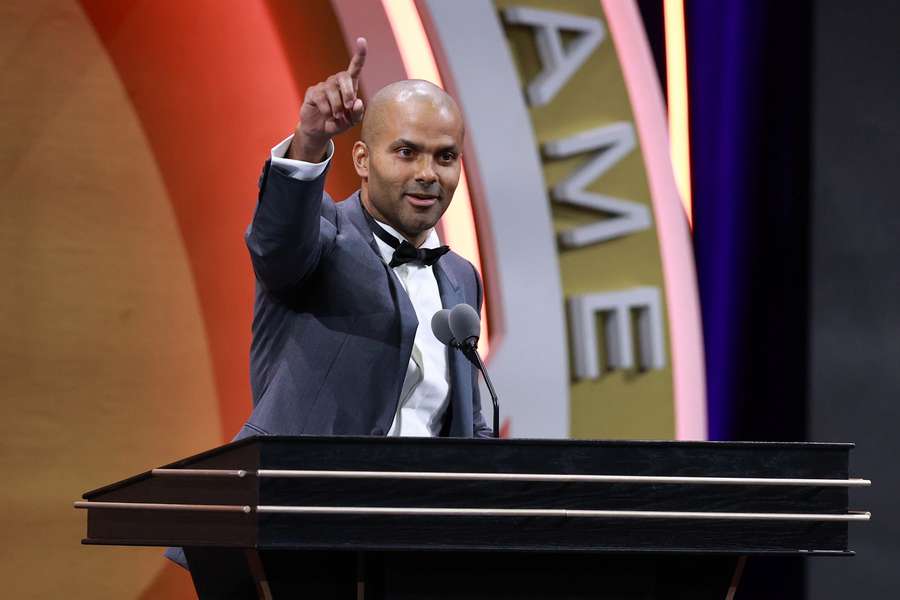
(421,200)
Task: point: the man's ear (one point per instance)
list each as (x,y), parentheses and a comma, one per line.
(361,159)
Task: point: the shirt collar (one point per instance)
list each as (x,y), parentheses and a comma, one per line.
(387,253)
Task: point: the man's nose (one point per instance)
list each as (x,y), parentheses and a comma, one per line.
(425,174)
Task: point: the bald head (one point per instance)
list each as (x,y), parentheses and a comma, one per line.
(391,101)
(408,158)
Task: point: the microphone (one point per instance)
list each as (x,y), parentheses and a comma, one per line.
(460,327)
(440,326)
(465,325)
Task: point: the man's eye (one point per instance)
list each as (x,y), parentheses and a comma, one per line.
(404,152)
(448,157)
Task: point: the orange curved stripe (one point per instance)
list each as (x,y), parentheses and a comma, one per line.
(214,90)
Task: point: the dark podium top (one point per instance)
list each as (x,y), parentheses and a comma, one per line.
(545,496)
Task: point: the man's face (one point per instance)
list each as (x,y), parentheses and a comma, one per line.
(413,165)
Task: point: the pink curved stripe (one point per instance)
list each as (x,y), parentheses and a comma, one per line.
(679,274)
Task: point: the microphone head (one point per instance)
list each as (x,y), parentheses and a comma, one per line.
(440,326)
(465,324)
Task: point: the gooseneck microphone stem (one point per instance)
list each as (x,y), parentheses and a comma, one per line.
(463,323)
(471,352)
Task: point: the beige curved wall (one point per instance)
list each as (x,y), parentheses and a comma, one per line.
(101,337)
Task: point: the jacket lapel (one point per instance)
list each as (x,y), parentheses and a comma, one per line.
(408,320)
(460,371)
(356,217)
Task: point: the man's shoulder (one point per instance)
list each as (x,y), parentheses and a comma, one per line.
(464,271)
(349,205)
(458,261)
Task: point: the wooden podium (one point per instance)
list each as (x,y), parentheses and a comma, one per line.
(372,518)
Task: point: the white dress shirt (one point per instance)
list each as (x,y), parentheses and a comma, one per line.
(426,387)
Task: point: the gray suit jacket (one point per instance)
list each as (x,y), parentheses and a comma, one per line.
(333,328)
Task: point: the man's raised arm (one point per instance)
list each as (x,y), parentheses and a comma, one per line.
(329,108)
(289,230)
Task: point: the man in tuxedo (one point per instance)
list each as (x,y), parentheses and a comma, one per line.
(342,342)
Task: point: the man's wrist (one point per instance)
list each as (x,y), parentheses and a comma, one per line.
(307,149)
(299,169)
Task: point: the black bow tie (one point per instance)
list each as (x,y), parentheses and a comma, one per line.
(405,252)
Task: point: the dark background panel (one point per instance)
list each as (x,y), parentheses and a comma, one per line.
(854,364)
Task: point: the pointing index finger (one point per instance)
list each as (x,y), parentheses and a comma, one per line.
(359,59)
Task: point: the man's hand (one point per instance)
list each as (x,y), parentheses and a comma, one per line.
(329,108)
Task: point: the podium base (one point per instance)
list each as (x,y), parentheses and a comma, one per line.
(221,574)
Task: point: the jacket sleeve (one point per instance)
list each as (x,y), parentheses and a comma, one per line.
(293,226)
(480,429)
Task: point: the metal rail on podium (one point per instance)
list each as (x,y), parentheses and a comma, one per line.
(372,518)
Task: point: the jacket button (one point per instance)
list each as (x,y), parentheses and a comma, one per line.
(378,431)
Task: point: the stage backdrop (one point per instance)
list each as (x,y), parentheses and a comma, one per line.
(131,137)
